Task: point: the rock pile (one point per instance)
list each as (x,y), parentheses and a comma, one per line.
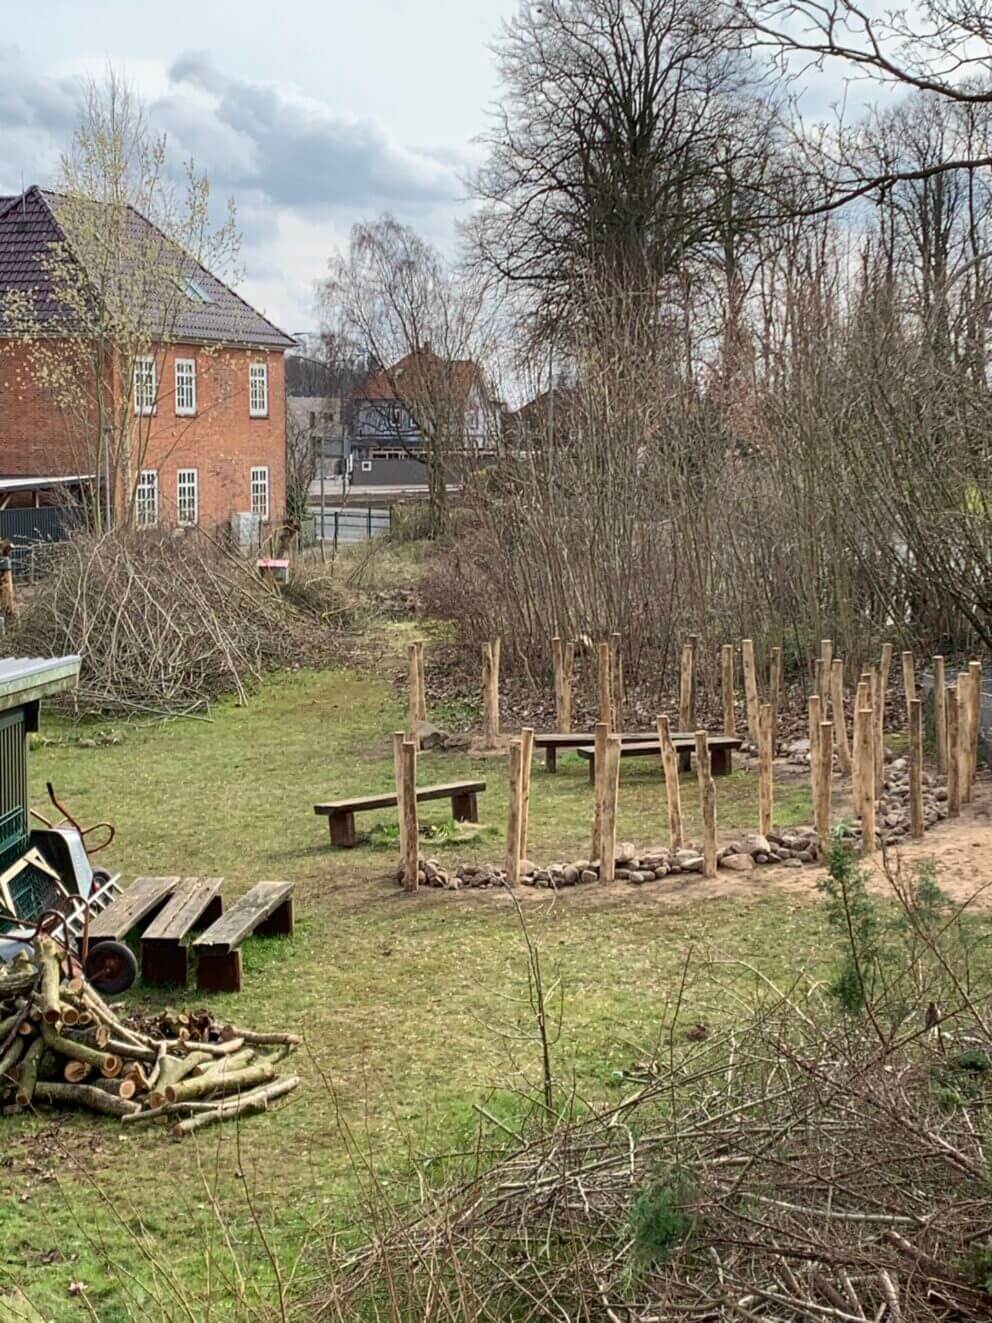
(792,847)
(892,814)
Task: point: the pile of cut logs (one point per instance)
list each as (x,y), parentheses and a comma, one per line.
(60,1043)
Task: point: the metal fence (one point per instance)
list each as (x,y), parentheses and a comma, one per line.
(33,531)
(351,524)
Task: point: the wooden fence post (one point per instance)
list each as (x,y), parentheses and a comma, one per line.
(975,672)
(490,692)
(964,737)
(860,701)
(514,812)
(727,681)
(611,790)
(908,679)
(8,605)
(750,689)
(766,785)
(526,761)
(940,712)
(707,802)
(915,767)
(412,693)
(563,658)
(421,683)
(673,794)
(398,737)
(953,755)
(825,782)
(601,731)
(815,713)
(616,681)
(411,833)
(775,691)
(822,670)
(866,759)
(881,693)
(839,720)
(605,694)
(686,722)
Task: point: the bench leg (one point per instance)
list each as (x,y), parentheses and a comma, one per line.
(465,807)
(342,827)
(551,758)
(684,760)
(164,962)
(280,921)
(218,973)
(721,762)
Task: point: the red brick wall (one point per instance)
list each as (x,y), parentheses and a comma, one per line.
(222,441)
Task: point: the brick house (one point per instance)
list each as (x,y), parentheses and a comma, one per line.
(208,398)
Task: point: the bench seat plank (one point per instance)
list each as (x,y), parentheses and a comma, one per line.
(267,909)
(389,800)
(164,957)
(721,749)
(143,898)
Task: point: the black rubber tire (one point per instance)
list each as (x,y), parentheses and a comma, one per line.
(111,967)
(100,876)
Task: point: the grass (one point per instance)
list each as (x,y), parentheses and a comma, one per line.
(410,1005)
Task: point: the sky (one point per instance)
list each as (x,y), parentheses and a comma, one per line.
(311,114)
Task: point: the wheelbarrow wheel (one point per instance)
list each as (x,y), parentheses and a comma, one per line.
(111,967)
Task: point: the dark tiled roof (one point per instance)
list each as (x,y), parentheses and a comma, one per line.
(29,225)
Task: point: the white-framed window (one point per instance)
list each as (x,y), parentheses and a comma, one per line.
(260,491)
(185,387)
(187,496)
(146,498)
(366,466)
(144,385)
(258,390)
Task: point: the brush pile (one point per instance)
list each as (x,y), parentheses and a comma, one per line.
(60,1043)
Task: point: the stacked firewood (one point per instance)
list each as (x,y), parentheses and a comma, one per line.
(61,1043)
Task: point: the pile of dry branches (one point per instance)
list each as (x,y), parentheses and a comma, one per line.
(815,1164)
(165,624)
(60,1043)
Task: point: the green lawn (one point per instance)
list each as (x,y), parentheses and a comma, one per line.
(405,1001)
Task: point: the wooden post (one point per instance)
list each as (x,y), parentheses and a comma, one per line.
(601,730)
(765,790)
(866,759)
(908,679)
(616,681)
(563,657)
(964,738)
(775,691)
(694,688)
(815,712)
(953,755)
(823,673)
(860,701)
(940,712)
(975,721)
(686,722)
(398,738)
(839,720)
(915,766)
(825,782)
(611,789)
(412,693)
(527,758)
(670,763)
(514,813)
(421,683)
(411,834)
(707,803)
(727,677)
(750,689)
(8,605)
(490,693)
(878,733)
(605,698)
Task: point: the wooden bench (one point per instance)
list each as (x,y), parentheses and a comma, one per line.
(554,740)
(341,812)
(721,752)
(142,900)
(267,909)
(195,903)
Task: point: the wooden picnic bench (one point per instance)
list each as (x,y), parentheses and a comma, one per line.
(552,741)
(721,752)
(341,812)
(140,903)
(195,903)
(267,909)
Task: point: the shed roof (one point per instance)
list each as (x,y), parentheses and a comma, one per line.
(26,679)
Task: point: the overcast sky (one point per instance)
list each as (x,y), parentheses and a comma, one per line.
(312,114)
